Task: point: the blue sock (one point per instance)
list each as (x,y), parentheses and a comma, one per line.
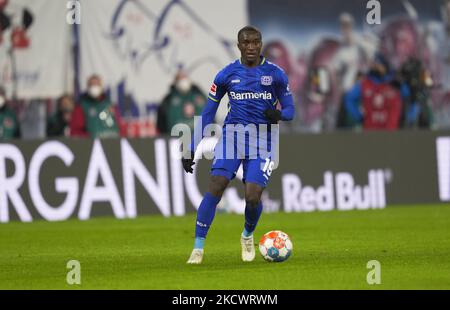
(205,216)
(199,243)
(252,215)
(246,233)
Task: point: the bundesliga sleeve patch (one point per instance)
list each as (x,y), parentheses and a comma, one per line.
(288,91)
(213,89)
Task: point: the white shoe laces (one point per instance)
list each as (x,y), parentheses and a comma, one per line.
(248,243)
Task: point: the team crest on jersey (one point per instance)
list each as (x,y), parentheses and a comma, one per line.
(266,80)
(213,89)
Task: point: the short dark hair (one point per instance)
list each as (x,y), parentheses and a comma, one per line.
(248,29)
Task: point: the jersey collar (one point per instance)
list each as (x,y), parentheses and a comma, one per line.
(262,61)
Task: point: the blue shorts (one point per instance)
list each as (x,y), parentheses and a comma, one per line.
(253,149)
(256,170)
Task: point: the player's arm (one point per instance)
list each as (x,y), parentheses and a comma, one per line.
(216,93)
(284,96)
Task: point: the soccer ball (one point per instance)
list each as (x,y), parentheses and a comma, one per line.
(275,246)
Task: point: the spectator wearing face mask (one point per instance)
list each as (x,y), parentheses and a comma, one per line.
(59,123)
(183,101)
(9,126)
(95,116)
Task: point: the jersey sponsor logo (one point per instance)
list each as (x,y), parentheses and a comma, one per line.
(245,96)
(266,80)
(235,81)
(213,89)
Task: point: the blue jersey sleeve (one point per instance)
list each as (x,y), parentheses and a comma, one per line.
(216,93)
(284,95)
(218,87)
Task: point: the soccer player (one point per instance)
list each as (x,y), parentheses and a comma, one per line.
(254,88)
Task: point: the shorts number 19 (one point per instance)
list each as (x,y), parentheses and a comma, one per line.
(268,167)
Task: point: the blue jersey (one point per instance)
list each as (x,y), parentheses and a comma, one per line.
(251,91)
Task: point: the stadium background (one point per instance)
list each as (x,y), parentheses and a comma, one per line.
(394,186)
(137,47)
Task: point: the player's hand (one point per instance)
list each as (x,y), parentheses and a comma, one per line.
(188,162)
(274,116)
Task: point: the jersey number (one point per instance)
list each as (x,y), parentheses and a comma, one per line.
(268,167)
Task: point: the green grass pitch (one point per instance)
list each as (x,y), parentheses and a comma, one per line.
(331,251)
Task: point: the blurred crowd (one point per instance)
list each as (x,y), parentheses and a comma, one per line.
(356,82)
(366,81)
(94,115)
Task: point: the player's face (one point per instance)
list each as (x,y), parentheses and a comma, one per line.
(250,45)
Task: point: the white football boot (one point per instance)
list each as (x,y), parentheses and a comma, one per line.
(196,257)
(248,248)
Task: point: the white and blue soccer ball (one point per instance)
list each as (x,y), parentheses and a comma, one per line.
(275,246)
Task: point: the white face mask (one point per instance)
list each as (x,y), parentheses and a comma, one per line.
(184,85)
(95,91)
(2,101)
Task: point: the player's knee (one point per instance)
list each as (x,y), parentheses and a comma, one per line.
(253,194)
(217,185)
(252,200)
